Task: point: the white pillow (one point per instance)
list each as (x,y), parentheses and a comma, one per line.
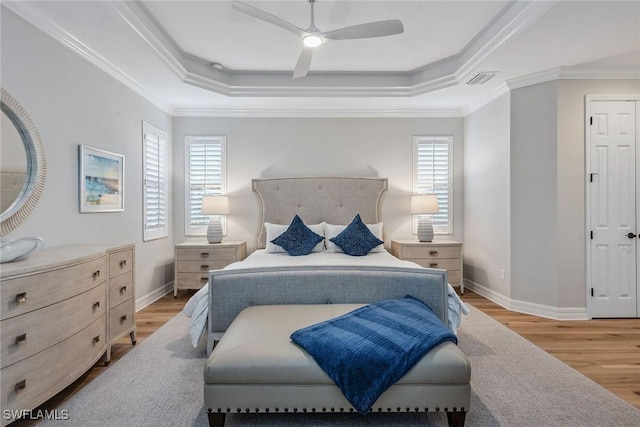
(274,230)
(332,230)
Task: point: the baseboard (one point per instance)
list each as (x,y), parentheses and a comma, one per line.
(153,296)
(540,310)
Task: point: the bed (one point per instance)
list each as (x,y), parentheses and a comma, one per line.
(266,297)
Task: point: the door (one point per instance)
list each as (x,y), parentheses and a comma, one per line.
(612,186)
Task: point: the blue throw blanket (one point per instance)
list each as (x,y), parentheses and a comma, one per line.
(369,349)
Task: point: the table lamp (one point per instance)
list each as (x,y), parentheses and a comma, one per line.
(215,205)
(423,205)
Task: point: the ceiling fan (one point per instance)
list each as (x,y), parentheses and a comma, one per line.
(312,37)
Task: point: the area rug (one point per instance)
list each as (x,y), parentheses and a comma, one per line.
(514,383)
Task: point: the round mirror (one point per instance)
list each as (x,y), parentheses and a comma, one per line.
(22,165)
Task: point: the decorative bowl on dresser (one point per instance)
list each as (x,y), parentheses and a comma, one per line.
(55,310)
(194,260)
(443,254)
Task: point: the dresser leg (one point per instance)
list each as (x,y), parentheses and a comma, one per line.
(132,335)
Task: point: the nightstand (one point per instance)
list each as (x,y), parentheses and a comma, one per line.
(194,260)
(444,254)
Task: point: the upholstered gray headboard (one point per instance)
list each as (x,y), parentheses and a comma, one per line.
(316,199)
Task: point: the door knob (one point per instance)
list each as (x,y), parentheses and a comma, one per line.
(631,235)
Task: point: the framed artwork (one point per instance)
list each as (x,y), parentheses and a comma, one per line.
(101,180)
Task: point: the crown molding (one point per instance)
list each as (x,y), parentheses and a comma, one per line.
(315,113)
(32,14)
(572,73)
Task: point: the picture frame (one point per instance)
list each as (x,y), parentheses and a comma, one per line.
(101,179)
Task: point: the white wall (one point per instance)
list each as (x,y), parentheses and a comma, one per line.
(71,102)
(487,219)
(278,147)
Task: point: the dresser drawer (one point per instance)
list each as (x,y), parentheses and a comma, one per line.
(24,294)
(443,263)
(218,254)
(30,333)
(410,252)
(193,280)
(120,289)
(30,382)
(120,319)
(200,266)
(120,262)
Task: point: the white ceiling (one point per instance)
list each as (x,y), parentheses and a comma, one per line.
(164,51)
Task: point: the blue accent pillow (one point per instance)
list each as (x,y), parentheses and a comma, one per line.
(356,239)
(298,239)
(369,349)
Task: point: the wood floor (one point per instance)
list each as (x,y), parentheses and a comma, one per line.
(607,351)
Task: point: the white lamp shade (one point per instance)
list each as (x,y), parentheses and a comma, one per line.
(215,205)
(424,204)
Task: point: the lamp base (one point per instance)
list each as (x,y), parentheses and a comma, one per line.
(425,230)
(214,231)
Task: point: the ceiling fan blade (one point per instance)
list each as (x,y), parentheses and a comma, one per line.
(366,31)
(304,62)
(267,17)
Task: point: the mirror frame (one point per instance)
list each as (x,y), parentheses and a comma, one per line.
(36,165)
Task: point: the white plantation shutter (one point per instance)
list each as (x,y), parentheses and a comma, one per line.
(205,175)
(433,174)
(155,182)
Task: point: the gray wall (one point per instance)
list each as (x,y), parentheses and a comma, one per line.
(487,234)
(71,102)
(277,147)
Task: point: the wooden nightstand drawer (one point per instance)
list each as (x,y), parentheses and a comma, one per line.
(120,289)
(445,255)
(195,260)
(443,263)
(120,319)
(409,252)
(200,266)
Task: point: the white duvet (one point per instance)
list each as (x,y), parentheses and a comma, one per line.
(196,308)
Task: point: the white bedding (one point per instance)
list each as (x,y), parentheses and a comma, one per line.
(196,308)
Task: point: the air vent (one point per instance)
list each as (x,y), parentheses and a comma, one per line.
(481,78)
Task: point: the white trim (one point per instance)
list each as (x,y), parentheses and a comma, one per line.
(163,144)
(153,296)
(34,15)
(540,310)
(493,95)
(316,113)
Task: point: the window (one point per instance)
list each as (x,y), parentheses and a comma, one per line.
(204,175)
(433,174)
(154,143)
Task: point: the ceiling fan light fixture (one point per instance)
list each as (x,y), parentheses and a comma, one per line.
(312,40)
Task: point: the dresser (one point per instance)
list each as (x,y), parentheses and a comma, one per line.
(55,312)
(194,260)
(122,313)
(443,254)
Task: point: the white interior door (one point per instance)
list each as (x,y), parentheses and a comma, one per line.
(612,176)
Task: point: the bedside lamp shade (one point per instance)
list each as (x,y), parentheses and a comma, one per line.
(215,205)
(423,205)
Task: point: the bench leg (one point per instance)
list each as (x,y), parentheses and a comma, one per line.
(216,419)
(456,419)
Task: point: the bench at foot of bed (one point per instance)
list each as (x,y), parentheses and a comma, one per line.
(454,419)
(255,368)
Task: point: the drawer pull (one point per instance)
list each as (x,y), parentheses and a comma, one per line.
(433,252)
(96,339)
(433,264)
(123,263)
(123,318)
(20,386)
(21,339)
(204,254)
(96,274)
(21,298)
(96,305)
(204,279)
(123,289)
(204,267)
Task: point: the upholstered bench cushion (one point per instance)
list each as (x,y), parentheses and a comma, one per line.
(256,349)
